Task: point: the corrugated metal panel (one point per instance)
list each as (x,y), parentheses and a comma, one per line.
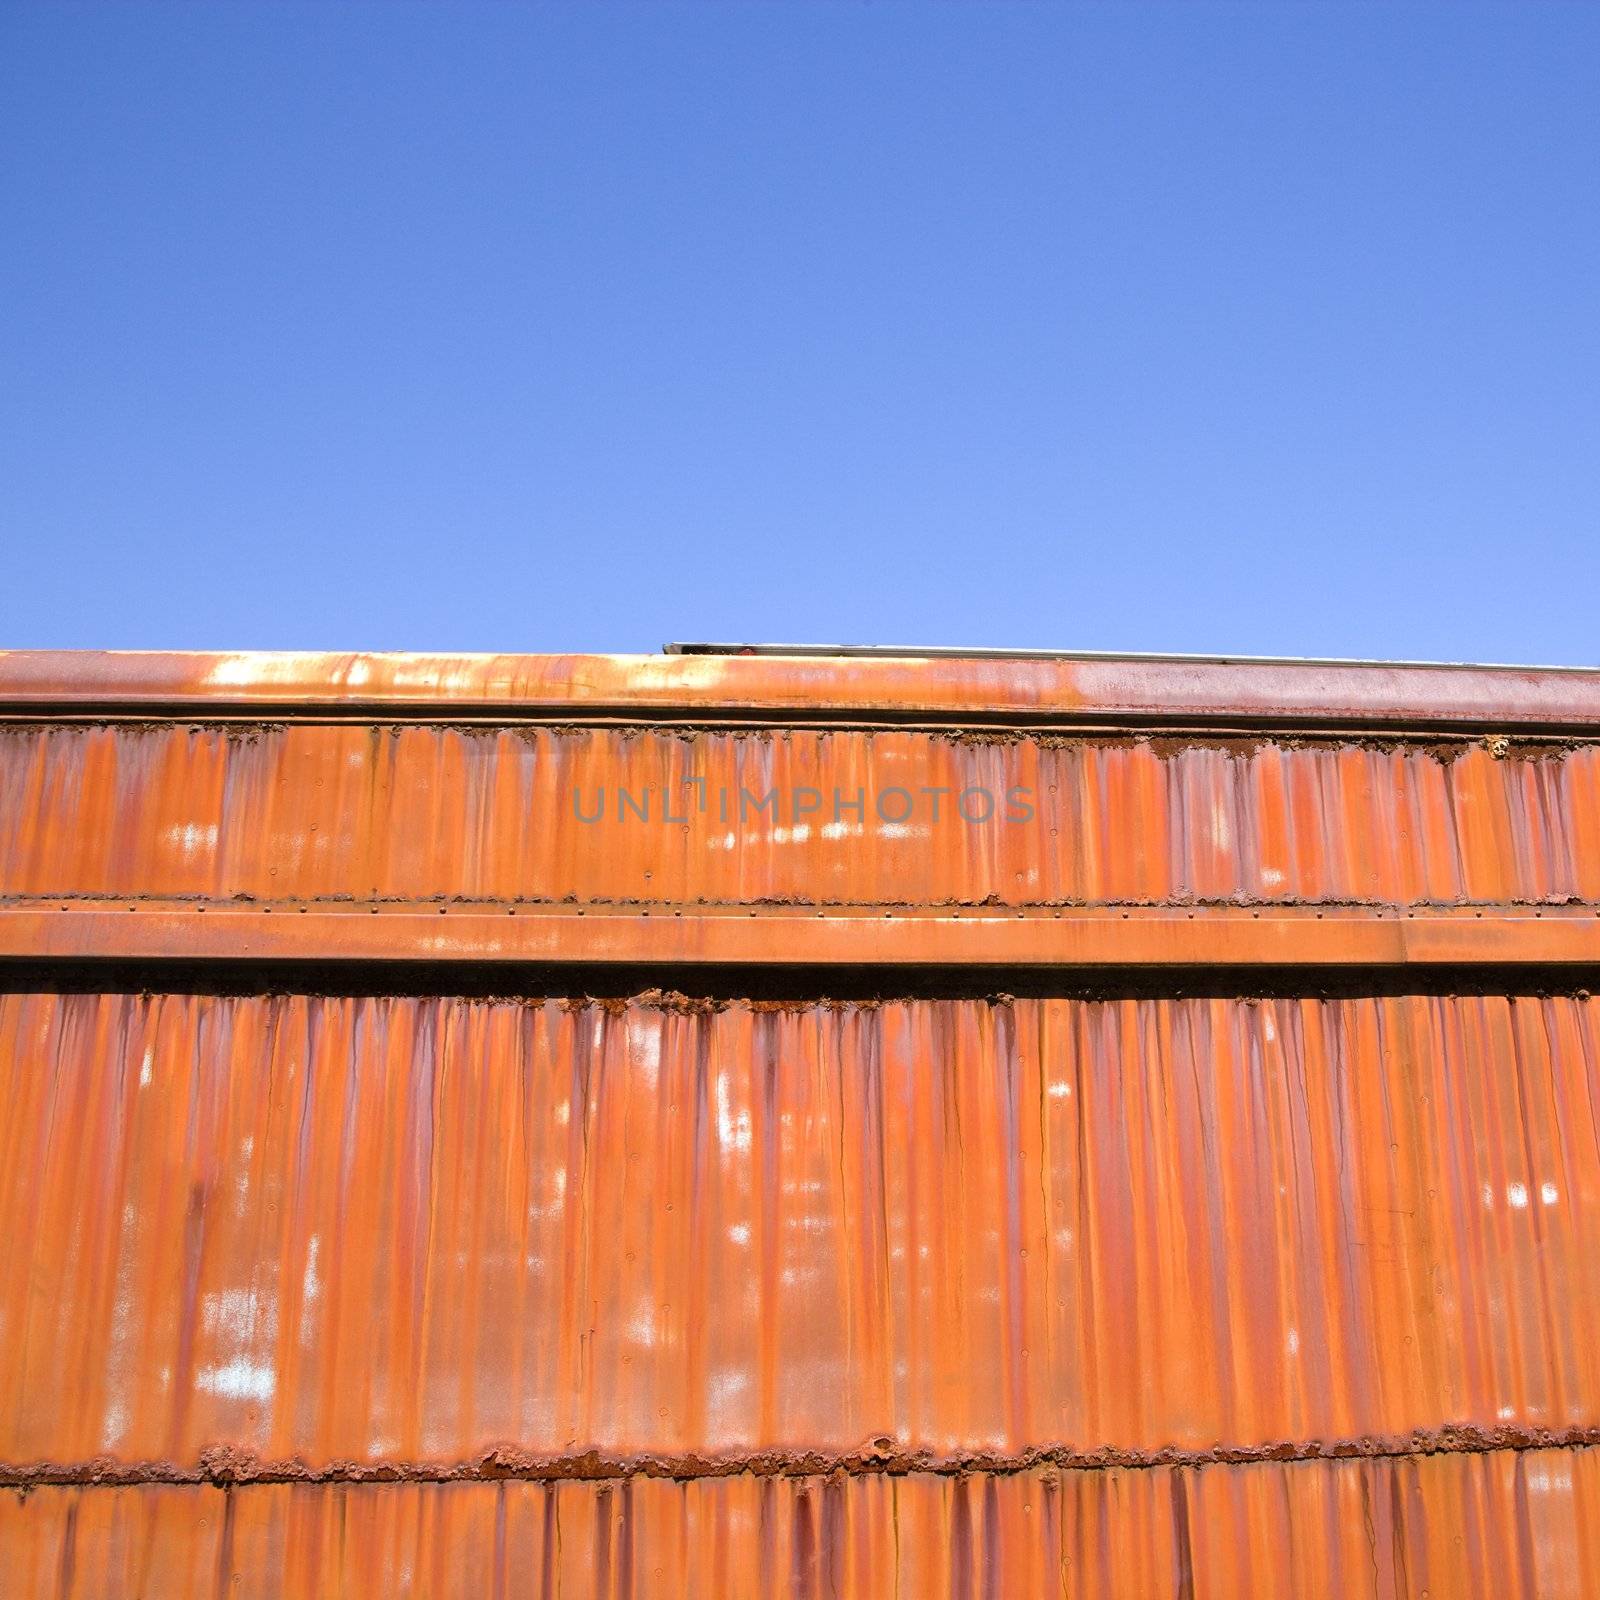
(315,1232)
(1212,1296)
(417,812)
(1518,1526)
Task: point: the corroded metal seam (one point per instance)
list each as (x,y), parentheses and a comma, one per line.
(223,1465)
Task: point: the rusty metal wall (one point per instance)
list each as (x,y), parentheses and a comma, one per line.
(423,1232)
(1512,1525)
(396,812)
(325,1277)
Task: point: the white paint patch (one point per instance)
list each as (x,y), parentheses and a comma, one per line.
(191,837)
(1551,1479)
(733,1128)
(116,1424)
(740,1233)
(239,1380)
(118,1372)
(647,1051)
(1517,1195)
(241,1185)
(903,830)
(236,1314)
(727,1387)
(1548,1193)
(1060,1091)
(310,1293)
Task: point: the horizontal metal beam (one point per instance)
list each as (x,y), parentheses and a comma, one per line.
(1012,653)
(742,937)
(969,689)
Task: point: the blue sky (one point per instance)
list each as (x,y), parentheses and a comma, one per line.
(1269,327)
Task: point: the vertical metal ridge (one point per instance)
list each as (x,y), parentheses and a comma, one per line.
(403,1230)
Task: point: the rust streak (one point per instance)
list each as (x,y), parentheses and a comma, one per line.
(1518,1525)
(274,1225)
(426,815)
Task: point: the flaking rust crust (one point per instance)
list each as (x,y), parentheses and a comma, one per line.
(226,1465)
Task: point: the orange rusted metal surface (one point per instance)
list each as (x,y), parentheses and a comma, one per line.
(1155,1276)
(980,942)
(1519,1526)
(1370,694)
(397,812)
(317,1234)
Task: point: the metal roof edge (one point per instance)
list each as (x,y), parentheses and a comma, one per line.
(1018,653)
(865,686)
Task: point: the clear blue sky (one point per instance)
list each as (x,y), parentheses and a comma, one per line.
(1269,327)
